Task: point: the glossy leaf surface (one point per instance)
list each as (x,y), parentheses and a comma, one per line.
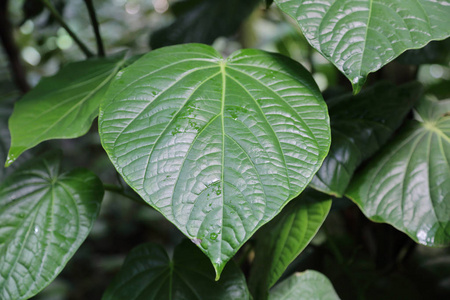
(44,218)
(360,125)
(218,146)
(285,237)
(408,183)
(148,273)
(61,106)
(304,286)
(361,36)
(202,21)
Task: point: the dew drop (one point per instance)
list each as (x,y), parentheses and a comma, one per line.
(10,159)
(218,192)
(358,83)
(213,236)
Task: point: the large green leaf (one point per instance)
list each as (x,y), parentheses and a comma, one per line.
(44,218)
(61,106)
(282,239)
(202,21)
(360,125)
(148,273)
(304,286)
(218,146)
(361,36)
(408,183)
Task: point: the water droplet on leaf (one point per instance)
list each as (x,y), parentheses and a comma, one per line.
(358,83)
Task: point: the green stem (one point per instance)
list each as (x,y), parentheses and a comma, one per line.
(95,25)
(120,191)
(72,34)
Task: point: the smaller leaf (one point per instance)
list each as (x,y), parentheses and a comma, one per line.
(360,125)
(284,238)
(408,183)
(148,273)
(304,286)
(61,106)
(44,218)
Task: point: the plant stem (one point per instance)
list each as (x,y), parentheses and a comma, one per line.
(11,50)
(95,25)
(72,34)
(120,191)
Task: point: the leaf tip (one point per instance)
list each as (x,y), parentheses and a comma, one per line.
(357,84)
(10,159)
(218,267)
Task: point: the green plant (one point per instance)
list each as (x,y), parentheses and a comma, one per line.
(224,147)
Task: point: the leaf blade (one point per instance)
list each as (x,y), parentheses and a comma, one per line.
(361,125)
(45,216)
(407,184)
(187,111)
(149,273)
(284,238)
(359,37)
(306,285)
(61,106)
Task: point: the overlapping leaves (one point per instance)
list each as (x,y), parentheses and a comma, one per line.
(360,125)
(408,183)
(149,273)
(217,146)
(361,36)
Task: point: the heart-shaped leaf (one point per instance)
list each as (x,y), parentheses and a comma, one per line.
(282,239)
(408,183)
(218,146)
(148,273)
(304,286)
(61,106)
(361,36)
(360,125)
(44,218)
